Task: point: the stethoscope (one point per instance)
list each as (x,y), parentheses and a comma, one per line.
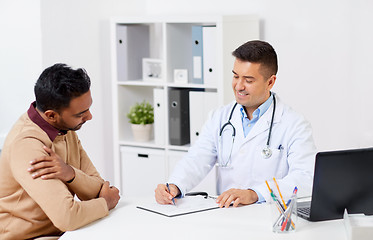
(266,151)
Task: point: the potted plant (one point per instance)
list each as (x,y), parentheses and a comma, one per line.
(141,117)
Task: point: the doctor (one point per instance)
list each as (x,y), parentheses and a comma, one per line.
(252,141)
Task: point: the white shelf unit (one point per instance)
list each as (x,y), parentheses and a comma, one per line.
(169,39)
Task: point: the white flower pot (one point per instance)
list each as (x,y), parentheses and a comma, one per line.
(141,132)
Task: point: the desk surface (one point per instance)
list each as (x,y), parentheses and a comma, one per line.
(252,222)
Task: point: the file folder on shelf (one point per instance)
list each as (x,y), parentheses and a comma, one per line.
(204,54)
(179,116)
(197,52)
(209,55)
(159,116)
(132,47)
(179,111)
(200,105)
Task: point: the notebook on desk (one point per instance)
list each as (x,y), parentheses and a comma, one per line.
(342,180)
(187,205)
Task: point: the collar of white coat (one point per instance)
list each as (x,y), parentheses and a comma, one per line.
(264,121)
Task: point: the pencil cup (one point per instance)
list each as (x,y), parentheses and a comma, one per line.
(284,218)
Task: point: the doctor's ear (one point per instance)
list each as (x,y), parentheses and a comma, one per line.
(271,81)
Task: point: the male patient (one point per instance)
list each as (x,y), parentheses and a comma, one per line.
(43,164)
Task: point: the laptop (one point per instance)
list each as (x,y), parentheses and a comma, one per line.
(343,179)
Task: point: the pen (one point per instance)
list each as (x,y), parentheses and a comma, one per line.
(168,187)
(290,210)
(270,190)
(277,201)
(288,223)
(274,196)
(284,224)
(278,188)
(281,208)
(288,217)
(292,196)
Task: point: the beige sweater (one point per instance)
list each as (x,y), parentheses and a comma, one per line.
(35,207)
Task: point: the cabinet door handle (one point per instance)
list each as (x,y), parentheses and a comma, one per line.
(142,155)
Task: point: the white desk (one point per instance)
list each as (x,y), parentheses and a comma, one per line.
(247,222)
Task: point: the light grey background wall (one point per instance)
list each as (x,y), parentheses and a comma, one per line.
(77,33)
(324,50)
(20,58)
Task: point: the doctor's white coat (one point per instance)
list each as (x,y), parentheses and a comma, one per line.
(291,163)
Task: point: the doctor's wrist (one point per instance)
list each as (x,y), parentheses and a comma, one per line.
(178,195)
(254,197)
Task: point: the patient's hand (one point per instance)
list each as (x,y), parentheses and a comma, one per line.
(49,167)
(110,194)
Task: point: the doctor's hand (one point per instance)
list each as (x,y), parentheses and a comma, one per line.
(237,196)
(162,196)
(51,166)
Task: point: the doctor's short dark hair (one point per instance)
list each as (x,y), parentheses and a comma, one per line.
(257,51)
(58,85)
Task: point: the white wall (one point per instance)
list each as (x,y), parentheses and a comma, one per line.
(324,50)
(20,59)
(76,32)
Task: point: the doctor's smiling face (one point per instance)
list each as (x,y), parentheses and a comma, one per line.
(254,74)
(251,85)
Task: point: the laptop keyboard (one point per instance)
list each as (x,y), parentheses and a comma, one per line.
(305,211)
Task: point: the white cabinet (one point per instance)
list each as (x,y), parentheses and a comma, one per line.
(142,169)
(166,44)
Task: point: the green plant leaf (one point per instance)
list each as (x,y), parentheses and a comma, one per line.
(141,113)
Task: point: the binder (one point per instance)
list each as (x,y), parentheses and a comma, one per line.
(200,104)
(159,116)
(132,46)
(209,55)
(197,52)
(178,116)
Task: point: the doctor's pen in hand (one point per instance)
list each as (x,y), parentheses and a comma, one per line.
(229,131)
(166,193)
(168,188)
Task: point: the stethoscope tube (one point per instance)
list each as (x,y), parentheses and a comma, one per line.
(266,151)
(273,116)
(229,123)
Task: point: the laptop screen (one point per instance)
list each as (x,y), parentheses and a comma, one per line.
(343,179)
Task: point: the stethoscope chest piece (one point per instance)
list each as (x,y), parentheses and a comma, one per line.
(266,152)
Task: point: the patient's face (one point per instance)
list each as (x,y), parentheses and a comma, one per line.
(74,116)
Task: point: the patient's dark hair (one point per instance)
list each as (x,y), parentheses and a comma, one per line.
(257,51)
(58,85)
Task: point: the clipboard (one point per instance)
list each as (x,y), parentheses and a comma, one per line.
(187,205)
